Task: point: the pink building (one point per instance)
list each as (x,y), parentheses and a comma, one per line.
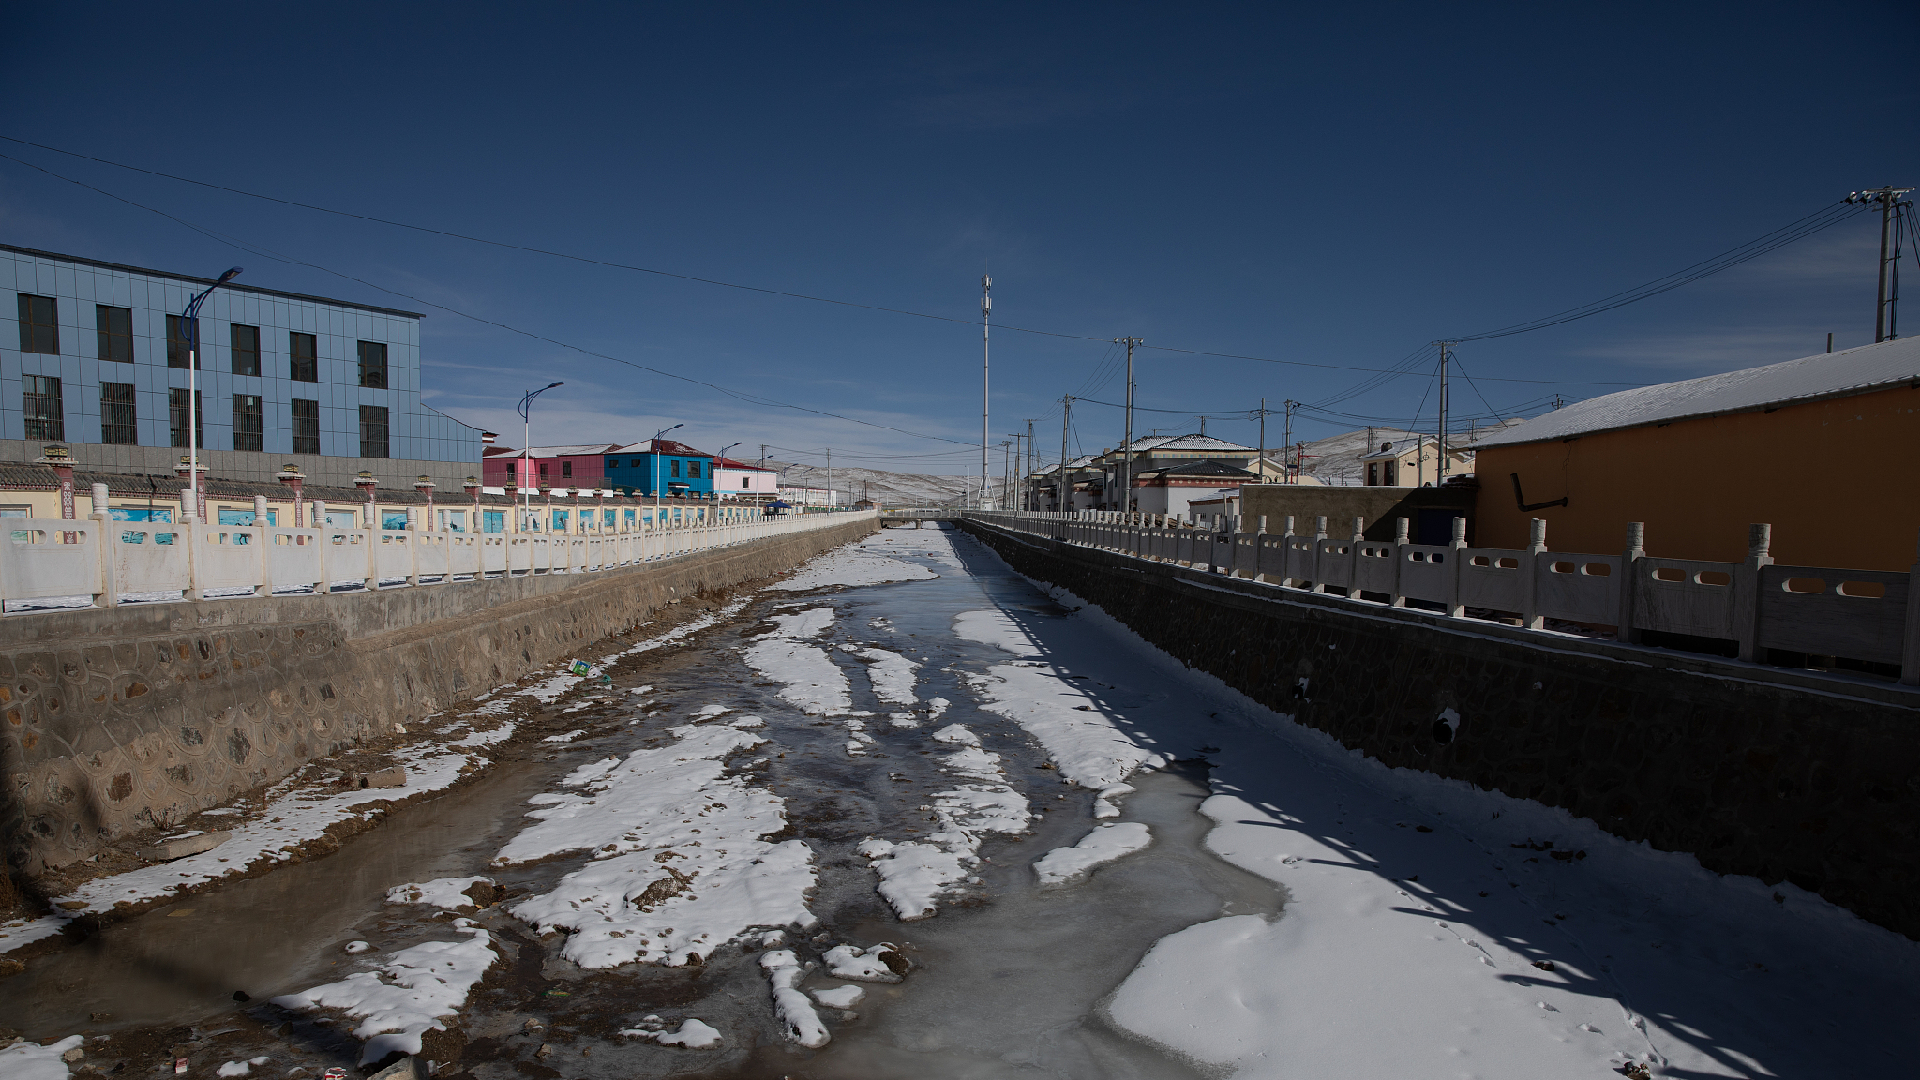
(554,466)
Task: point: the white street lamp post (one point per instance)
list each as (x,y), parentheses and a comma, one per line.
(192,319)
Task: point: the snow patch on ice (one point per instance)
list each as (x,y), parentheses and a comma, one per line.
(693,1034)
(1106,844)
(27,1060)
(809,678)
(915,874)
(789,1004)
(1082,741)
(678,868)
(892,675)
(861,965)
(840,997)
(1107,803)
(423,983)
(447,893)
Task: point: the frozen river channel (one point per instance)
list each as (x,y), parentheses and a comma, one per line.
(907,814)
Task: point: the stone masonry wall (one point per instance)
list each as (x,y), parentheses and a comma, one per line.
(115,719)
(1766,772)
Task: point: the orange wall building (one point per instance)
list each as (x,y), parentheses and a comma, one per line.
(1821,448)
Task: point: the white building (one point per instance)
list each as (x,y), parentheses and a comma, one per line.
(739,480)
(810,496)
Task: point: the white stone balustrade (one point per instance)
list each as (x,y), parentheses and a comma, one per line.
(46,560)
(1865,615)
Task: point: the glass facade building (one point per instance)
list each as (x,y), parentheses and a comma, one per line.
(97,359)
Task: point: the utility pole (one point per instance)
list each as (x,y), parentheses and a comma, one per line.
(1441,476)
(1126,443)
(830,499)
(1013,472)
(1007,467)
(763,455)
(1033,463)
(1890,205)
(986,311)
(1063,499)
(1260,459)
(1287,461)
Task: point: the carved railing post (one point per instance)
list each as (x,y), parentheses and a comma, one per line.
(1746,591)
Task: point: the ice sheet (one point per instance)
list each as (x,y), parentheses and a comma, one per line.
(854,564)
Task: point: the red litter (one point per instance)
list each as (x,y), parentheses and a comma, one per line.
(179,1066)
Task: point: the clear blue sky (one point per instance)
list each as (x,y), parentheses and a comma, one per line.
(1279,181)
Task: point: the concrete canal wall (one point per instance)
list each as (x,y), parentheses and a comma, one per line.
(1775,773)
(116,717)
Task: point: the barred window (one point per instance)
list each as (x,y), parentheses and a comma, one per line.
(117,421)
(246,350)
(373,365)
(248,422)
(306,423)
(45,414)
(116,332)
(373,431)
(39,324)
(177,418)
(304,357)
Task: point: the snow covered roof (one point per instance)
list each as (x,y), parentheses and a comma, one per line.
(1810,378)
(1189,444)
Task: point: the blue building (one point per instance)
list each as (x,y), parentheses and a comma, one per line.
(99,363)
(674,467)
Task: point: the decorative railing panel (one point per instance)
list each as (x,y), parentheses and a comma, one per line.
(1863,615)
(50,563)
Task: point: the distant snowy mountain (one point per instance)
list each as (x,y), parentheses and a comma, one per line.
(1335,460)
(885,488)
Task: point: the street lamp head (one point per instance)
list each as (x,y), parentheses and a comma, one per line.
(551,385)
(232,273)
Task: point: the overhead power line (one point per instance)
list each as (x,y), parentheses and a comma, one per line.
(268,253)
(586,260)
(1824,218)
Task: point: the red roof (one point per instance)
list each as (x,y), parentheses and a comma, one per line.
(662,446)
(729,463)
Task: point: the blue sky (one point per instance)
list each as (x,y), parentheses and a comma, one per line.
(1281,181)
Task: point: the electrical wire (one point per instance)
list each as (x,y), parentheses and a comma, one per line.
(1824,218)
(255,249)
(585,260)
